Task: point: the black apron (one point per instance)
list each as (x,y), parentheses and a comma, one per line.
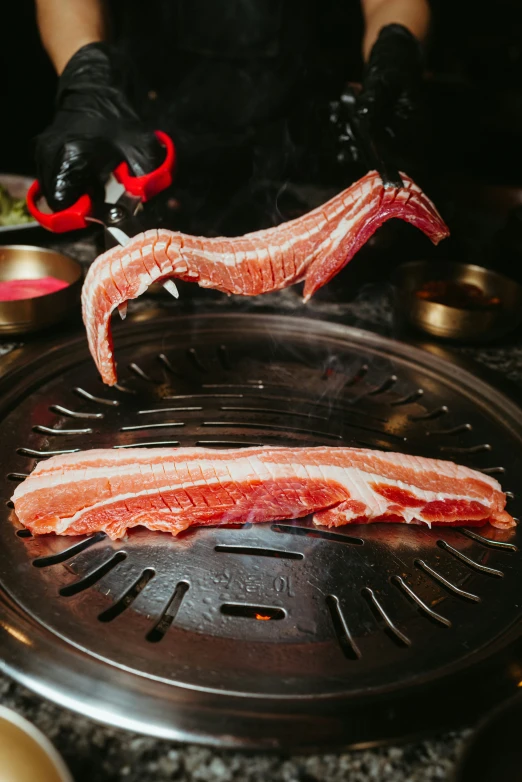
(243,88)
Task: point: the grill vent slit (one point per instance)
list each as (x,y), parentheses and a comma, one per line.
(431,415)
(446,583)
(128,597)
(378,611)
(59,410)
(98,399)
(246,611)
(169,614)
(399,582)
(255,551)
(498,544)
(224,358)
(310,532)
(348,646)
(55,559)
(384,386)
(167,364)
(196,361)
(408,400)
(139,372)
(490,571)
(92,578)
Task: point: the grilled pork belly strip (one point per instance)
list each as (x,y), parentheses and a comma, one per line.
(170,489)
(312,248)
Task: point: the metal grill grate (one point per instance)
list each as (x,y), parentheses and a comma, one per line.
(258,635)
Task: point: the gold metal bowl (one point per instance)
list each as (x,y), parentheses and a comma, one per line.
(20,261)
(451,322)
(26,755)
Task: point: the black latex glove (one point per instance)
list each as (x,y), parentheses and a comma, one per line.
(392,79)
(387,103)
(94,129)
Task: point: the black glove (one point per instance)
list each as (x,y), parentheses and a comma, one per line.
(94,129)
(386,104)
(392,79)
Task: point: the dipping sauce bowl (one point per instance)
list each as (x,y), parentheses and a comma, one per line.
(24,262)
(457,301)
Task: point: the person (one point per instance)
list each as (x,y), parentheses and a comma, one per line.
(244,88)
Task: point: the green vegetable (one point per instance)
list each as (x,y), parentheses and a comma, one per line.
(13,211)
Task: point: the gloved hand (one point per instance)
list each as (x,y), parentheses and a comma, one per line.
(94,129)
(391,80)
(386,103)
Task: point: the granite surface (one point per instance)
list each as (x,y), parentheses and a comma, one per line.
(95,752)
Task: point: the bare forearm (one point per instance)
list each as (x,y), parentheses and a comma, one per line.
(67,25)
(413,14)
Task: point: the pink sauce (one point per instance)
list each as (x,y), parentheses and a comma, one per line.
(12,290)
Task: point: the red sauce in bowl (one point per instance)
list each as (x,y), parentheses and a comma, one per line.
(13,290)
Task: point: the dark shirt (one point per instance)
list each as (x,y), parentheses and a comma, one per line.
(242,86)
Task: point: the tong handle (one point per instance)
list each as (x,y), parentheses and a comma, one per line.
(149,185)
(73,218)
(77,216)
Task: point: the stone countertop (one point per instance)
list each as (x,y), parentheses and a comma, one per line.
(97,753)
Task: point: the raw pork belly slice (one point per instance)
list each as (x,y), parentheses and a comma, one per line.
(312,248)
(170,489)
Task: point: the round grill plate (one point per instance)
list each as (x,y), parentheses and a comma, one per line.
(262,635)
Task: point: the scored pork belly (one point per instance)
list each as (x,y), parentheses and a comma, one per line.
(312,248)
(170,489)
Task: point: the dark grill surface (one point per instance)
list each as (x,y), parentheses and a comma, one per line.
(261,635)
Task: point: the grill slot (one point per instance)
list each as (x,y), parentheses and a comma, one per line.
(169,614)
(139,372)
(196,361)
(460,429)
(258,552)
(145,427)
(35,452)
(165,361)
(402,585)
(224,358)
(468,561)
(154,444)
(55,559)
(392,630)
(432,415)
(92,578)
(60,410)
(499,544)
(98,399)
(344,637)
(310,532)
(446,583)
(385,386)
(169,410)
(261,613)
(128,597)
(409,399)
(64,432)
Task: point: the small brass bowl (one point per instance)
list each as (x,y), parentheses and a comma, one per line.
(456,323)
(26,755)
(24,262)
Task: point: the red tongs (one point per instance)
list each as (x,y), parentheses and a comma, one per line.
(83,212)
